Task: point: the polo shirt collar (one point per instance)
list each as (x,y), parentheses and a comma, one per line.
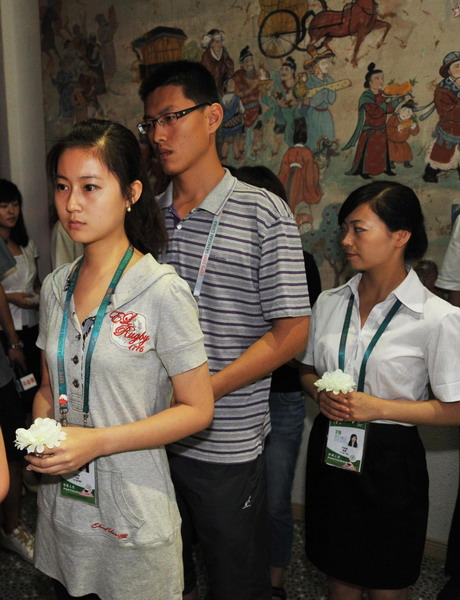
(410,292)
(212,201)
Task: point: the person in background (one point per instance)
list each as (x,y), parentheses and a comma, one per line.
(253,303)
(449,276)
(124,364)
(62,248)
(449,281)
(22,283)
(14,535)
(392,336)
(287,414)
(427,271)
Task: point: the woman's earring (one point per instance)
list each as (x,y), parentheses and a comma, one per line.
(128,208)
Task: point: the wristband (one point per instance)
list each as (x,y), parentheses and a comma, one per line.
(18,346)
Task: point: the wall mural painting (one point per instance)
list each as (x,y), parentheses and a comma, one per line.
(80,59)
(326,93)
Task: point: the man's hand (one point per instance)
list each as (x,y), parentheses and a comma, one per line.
(17,358)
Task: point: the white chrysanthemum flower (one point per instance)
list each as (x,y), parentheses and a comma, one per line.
(42,433)
(336,382)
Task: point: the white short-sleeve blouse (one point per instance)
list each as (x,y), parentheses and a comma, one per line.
(417,347)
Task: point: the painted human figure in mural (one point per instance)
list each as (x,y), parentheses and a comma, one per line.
(50,27)
(64,80)
(79,38)
(80,104)
(216,58)
(85,96)
(105,34)
(72,58)
(400,127)
(247,88)
(299,172)
(444,155)
(94,59)
(283,103)
(232,123)
(319,118)
(370,136)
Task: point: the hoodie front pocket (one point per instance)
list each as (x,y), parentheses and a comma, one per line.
(112,518)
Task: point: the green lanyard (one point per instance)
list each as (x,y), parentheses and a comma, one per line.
(343,339)
(63,398)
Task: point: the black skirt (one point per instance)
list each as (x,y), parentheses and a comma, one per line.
(368,529)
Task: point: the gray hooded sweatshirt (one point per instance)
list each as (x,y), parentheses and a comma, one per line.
(128,546)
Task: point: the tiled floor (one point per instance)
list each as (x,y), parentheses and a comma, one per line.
(20,581)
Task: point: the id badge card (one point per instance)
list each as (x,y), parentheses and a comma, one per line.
(81,485)
(345,445)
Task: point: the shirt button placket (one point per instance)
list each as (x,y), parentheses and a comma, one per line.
(76,350)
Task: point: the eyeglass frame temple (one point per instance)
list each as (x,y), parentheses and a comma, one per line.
(179,114)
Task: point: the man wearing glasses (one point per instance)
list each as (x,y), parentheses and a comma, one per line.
(238,248)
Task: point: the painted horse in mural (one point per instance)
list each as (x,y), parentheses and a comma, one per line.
(357,18)
(282,31)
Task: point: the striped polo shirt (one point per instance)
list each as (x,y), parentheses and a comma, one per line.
(255,273)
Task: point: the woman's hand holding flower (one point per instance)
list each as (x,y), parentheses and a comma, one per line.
(334,406)
(80,447)
(332,390)
(364,407)
(354,406)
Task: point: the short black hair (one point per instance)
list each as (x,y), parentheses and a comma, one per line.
(196,81)
(262,177)
(398,207)
(371,70)
(300,132)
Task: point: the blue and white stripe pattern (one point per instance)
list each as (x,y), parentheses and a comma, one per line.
(255,273)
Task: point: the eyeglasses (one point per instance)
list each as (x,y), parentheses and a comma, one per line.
(168,119)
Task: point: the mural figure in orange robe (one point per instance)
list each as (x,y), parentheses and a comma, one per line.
(299,172)
(400,127)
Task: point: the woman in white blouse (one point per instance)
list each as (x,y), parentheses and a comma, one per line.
(21,283)
(394,337)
